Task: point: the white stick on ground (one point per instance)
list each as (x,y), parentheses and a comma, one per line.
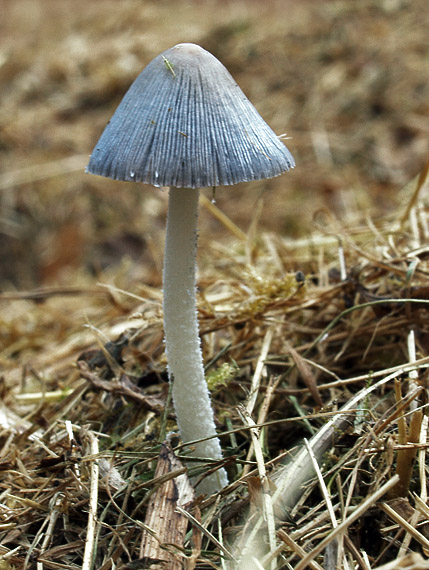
(191,397)
(90,544)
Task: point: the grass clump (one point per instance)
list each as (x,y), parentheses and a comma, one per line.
(320,399)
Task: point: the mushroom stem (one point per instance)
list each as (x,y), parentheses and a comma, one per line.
(191,397)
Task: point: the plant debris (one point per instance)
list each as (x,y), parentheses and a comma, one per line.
(347,358)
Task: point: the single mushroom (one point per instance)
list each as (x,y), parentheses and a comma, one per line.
(184,123)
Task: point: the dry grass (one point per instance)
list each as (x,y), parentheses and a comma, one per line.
(303,350)
(314,316)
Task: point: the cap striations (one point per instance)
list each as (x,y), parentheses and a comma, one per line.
(184,122)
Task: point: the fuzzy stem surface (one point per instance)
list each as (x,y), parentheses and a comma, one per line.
(191,397)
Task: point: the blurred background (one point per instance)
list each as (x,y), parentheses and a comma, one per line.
(346,82)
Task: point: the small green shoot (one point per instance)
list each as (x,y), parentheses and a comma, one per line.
(222,375)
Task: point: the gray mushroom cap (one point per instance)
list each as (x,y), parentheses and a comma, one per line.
(184,122)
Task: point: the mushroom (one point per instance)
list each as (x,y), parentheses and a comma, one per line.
(185,124)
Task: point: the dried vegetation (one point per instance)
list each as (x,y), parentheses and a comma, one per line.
(316,338)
